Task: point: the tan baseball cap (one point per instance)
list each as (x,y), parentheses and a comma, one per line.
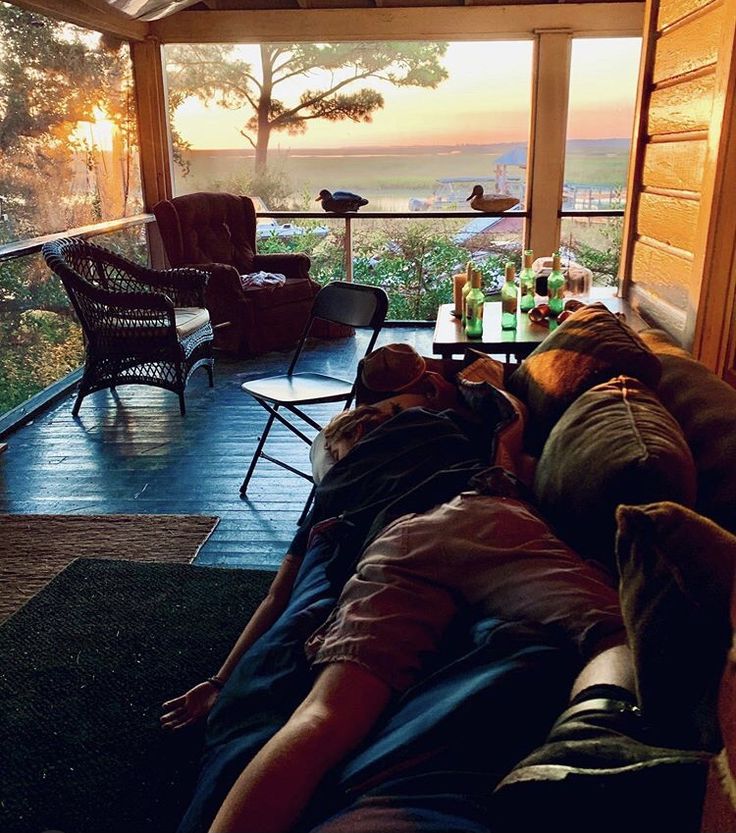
(392,368)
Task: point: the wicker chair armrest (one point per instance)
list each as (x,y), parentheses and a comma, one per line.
(130,300)
(185,285)
(128,315)
(292,265)
(145,302)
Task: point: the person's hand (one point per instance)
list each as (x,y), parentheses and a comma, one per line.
(191,707)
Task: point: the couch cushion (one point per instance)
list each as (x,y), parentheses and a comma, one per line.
(615,444)
(676,575)
(705,407)
(589,347)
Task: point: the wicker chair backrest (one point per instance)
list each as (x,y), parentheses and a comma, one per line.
(116,307)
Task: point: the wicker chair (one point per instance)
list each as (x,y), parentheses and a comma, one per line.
(141,326)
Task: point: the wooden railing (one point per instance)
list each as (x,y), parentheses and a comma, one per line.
(32,245)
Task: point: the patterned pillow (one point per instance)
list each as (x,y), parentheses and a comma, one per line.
(590,347)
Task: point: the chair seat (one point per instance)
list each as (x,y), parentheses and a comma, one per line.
(301,388)
(189,320)
(269,296)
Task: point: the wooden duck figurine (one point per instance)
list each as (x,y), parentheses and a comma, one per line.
(491,202)
(340,202)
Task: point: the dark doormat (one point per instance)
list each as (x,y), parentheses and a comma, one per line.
(84,667)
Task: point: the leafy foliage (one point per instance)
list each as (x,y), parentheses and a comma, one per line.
(412,261)
(52,76)
(215,74)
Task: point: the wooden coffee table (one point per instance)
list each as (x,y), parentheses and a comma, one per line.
(450,339)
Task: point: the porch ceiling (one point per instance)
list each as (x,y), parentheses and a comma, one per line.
(156,9)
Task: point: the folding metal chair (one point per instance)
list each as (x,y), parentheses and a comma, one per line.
(354,304)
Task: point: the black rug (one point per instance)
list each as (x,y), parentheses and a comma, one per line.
(84,667)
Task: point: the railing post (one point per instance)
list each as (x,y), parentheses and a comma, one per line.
(348,246)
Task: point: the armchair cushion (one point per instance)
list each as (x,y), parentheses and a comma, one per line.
(270,296)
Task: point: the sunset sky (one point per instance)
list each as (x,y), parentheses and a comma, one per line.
(484,100)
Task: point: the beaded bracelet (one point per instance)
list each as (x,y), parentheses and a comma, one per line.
(216,682)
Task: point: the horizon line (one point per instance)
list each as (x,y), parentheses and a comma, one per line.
(364,148)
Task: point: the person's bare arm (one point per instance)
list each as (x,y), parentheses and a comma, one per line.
(196,703)
(276,786)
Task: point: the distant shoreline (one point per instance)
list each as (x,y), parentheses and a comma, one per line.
(580,145)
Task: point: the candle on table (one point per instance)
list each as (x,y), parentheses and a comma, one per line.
(458,282)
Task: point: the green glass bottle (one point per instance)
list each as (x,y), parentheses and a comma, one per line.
(509,299)
(556,287)
(474,308)
(527,282)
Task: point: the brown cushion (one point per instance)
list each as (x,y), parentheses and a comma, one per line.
(676,575)
(705,407)
(591,346)
(615,444)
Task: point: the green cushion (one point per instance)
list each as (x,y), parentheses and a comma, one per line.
(615,444)
(587,349)
(705,407)
(676,576)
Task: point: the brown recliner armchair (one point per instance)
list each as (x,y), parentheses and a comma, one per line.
(217,233)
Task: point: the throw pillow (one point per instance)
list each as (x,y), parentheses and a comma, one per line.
(589,347)
(615,444)
(705,407)
(677,571)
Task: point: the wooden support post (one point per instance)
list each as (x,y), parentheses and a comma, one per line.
(348,249)
(546,167)
(153,130)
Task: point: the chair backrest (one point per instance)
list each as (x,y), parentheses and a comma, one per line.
(78,263)
(353,304)
(208,227)
(93,277)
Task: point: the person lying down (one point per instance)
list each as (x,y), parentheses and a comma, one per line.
(484,550)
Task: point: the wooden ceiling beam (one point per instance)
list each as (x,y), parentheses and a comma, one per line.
(90,14)
(384,23)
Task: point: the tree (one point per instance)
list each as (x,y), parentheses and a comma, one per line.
(52,76)
(216,74)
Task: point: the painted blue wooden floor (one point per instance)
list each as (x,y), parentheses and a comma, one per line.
(137,455)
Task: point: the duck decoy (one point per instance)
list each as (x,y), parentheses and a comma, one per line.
(340,202)
(490,202)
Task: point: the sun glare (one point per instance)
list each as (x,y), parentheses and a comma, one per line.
(97,133)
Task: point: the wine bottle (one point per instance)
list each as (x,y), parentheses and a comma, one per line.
(527,282)
(556,287)
(509,299)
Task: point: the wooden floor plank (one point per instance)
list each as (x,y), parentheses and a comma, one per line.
(133,453)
